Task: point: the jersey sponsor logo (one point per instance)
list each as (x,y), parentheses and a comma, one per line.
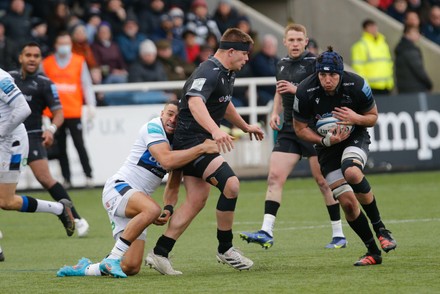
(312,89)
(348,84)
(198,84)
(226,98)
(296,104)
(154,129)
(54,90)
(7,86)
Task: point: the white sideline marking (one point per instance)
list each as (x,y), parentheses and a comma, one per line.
(326,226)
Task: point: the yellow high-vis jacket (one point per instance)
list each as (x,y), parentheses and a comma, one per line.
(371,59)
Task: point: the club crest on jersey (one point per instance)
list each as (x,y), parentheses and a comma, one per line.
(317,100)
(198,84)
(226,98)
(281,69)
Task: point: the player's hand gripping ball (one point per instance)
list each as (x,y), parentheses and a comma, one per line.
(325,124)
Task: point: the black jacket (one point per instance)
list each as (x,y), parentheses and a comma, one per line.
(411,76)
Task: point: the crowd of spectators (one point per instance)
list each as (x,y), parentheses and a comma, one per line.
(425,14)
(122,40)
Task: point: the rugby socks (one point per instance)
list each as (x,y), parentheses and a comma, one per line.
(31,204)
(270,213)
(373,214)
(58,192)
(224,240)
(335,220)
(164,246)
(362,229)
(119,249)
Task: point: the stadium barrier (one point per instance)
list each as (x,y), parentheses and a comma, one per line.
(406,137)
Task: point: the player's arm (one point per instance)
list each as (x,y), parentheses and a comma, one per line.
(57,121)
(235,118)
(201,115)
(170,196)
(20,107)
(304,132)
(275,119)
(172,159)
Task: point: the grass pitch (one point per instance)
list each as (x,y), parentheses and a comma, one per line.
(36,246)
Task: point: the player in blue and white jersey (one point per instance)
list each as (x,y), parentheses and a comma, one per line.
(127,195)
(13,154)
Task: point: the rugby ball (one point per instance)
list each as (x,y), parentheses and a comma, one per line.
(326,124)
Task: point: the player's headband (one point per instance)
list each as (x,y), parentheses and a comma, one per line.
(240,46)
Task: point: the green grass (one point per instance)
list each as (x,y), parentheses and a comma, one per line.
(35,246)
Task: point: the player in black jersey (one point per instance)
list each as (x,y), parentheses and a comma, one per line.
(40,93)
(343,153)
(289,149)
(206,101)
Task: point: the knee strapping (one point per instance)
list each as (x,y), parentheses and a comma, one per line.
(362,187)
(350,162)
(226,204)
(221,176)
(338,191)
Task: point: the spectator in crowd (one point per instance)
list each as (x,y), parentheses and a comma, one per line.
(165,32)
(200,21)
(116,15)
(58,21)
(192,48)
(17,22)
(129,40)
(175,68)
(212,41)
(39,35)
(411,76)
(109,56)
(263,64)
(8,51)
(244,24)
(225,15)
(313,47)
(147,69)
(371,59)
(398,9)
(205,52)
(431,30)
(151,17)
(93,21)
(71,76)
(80,45)
(380,4)
(412,19)
(178,17)
(422,8)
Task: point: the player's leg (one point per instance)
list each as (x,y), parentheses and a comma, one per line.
(76,132)
(197,191)
(338,238)
(40,168)
(61,138)
(353,162)
(140,211)
(354,216)
(281,165)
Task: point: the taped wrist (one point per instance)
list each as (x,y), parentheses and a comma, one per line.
(52,128)
(170,208)
(326,140)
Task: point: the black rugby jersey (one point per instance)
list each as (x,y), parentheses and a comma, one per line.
(294,71)
(40,92)
(214,84)
(311,101)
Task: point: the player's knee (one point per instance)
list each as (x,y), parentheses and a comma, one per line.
(351,169)
(131,269)
(275,179)
(226,204)
(224,179)
(154,210)
(362,187)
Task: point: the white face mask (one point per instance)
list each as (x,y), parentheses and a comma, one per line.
(64,49)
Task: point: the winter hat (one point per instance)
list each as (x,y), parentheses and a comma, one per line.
(330,61)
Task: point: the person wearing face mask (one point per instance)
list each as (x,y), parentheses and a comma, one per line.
(70,74)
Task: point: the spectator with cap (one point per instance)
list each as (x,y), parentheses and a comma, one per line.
(371,59)
(431,30)
(178,17)
(109,56)
(200,21)
(165,32)
(93,21)
(147,69)
(129,40)
(398,9)
(411,76)
(244,24)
